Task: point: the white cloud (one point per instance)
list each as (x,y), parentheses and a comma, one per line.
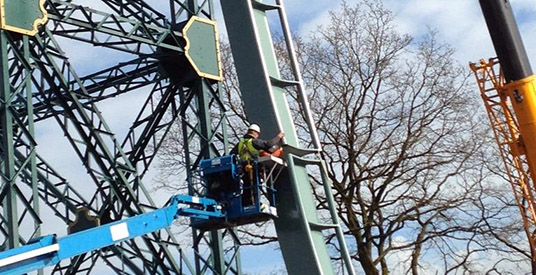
(459,23)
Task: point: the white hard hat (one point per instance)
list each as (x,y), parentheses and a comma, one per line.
(254,127)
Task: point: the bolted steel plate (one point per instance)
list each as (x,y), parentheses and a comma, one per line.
(202,47)
(22,16)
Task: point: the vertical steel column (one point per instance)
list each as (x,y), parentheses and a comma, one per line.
(32,169)
(207,152)
(218,263)
(204,98)
(9,202)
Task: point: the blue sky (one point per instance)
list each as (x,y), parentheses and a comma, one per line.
(458,22)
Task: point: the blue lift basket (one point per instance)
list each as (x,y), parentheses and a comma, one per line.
(244,189)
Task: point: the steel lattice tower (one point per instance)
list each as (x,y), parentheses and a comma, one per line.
(39,83)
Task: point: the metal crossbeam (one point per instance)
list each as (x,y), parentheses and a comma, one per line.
(109,83)
(45,182)
(91,140)
(109,30)
(138,9)
(151,126)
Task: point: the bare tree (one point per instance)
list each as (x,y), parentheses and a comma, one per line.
(407,142)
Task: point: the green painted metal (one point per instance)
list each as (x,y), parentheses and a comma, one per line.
(297,210)
(317,146)
(298,228)
(278,94)
(127,34)
(22,16)
(202,51)
(207,151)
(32,165)
(254,82)
(131,27)
(9,203)
(202,47)
(200,134)
(25,182)
(91,137)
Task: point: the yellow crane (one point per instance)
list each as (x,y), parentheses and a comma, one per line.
(507,86)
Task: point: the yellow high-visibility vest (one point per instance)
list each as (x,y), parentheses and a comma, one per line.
(246,151)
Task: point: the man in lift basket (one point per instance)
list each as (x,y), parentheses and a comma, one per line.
(249,149)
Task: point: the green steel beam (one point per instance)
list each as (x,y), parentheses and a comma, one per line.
(24,158)
(109,30)
(33,171)
(106,84)
(139,29)
(208,111)
(91,140)
(244,28)
(53,188)
(32,166)
(9,202)
(299,230)
(203,124)
(18,145)
(203,100)
(141,11)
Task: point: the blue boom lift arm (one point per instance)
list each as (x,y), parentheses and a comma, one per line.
(206,213)
(49,250)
